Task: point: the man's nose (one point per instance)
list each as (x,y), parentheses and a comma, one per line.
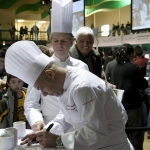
(85,42)
(60,42)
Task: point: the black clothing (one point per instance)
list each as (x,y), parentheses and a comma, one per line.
(129,78)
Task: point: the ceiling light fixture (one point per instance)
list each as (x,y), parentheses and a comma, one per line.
(42,22)
(20,20)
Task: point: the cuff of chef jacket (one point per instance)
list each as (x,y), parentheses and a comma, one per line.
(68,140)
(56,129)
(32,119)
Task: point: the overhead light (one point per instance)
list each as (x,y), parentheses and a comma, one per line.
(42,22)
(20,20)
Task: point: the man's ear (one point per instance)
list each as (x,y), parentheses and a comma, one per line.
(50,73)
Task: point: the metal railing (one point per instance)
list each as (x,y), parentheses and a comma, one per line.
(15,36)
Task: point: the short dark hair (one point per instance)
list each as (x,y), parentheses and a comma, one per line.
(110,52)
(123,52)
(138,50)
(9,76)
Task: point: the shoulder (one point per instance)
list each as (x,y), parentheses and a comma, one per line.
(74,51)
(132,66)
(24,89)
(78,63)
(95,52)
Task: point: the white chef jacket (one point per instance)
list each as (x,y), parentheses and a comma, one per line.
(49,104)
(94,111)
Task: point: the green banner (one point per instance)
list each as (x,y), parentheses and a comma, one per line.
(4,4)
(44,14)
(28,7)
(95,5)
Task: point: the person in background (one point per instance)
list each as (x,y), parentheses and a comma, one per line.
(123,29)
(49,103)
(11,104)
(84,51)
(118,28)
(113,30)
(128,28)
(128,77)
(10,30)
(139,59)
(110,67)
(147,91)
(3,77)
(36,32)
(61,39)
(46,50)
(21,32)
(48,32)
(31,33)
(87,103)
(26,32)
(108,58)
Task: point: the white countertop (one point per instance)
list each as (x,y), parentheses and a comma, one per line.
(32,147)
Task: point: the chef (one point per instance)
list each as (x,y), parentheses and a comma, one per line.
(61,40)
(88,104)
(92,117)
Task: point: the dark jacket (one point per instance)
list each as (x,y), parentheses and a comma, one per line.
(2,72)
(129,78)
(107,60)
(95,56)
(8,109)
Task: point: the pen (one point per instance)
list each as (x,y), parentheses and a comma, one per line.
(49,127)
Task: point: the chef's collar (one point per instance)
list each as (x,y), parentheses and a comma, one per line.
(57,59)
(67,79)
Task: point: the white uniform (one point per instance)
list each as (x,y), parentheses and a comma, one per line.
(49,104)
(92,108)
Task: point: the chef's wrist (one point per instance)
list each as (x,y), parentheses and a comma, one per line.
(59,141)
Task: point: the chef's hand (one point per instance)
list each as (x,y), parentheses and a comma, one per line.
(39,125)
(46,139)
(112,86)
(29,139)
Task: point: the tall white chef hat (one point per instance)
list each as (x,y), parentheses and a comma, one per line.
(26,61)
(62,15)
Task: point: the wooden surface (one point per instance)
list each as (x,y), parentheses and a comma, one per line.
(146,145)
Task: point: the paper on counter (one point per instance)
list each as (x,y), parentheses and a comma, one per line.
(36,147)
(119,93)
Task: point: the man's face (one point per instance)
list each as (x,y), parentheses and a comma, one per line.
(48,84)
(16,84)
(85,44)
(61,43)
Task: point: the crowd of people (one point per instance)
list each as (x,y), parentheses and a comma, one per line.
(125,29)
(66,87)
